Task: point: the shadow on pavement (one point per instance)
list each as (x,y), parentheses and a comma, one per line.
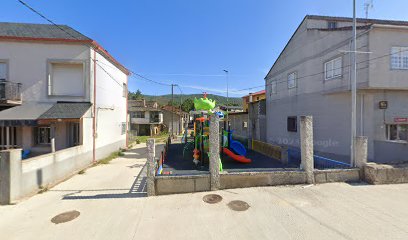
(141,153)
(137,190)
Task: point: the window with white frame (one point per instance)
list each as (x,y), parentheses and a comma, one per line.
(397,132)
(399,58)
(333,68)
(292,81)
(274,87)
(137,114)
(66,79)
(42,135)
(123,128)
(3,71)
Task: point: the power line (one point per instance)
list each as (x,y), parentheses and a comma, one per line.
(150,80)
(284,80)
(69,34)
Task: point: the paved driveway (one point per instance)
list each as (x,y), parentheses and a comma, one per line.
(111,200)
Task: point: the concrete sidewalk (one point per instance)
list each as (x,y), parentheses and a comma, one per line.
(111,200)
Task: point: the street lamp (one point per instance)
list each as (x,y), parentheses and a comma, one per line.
(226,73)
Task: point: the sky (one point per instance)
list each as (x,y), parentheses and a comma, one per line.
(191,42)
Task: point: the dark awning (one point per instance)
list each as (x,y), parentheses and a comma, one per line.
(24,115)
(64,110)
(29,114)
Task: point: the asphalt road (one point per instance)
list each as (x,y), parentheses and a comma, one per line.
(112,205)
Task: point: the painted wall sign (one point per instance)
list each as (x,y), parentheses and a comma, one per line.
(383,104)
(400,120)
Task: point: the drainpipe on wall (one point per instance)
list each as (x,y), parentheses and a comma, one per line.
(94,113)
(126,111)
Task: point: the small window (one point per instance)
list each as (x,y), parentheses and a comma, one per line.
(397,132)
(125,90)
(399,58)
(244,124)
(292,124)
(123,129)
(333,68)
(292,81)
(137,114)
(332,25)
(274,87)
(3,71)
(43,135)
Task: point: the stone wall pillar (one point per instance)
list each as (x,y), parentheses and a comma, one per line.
(151,167)
(215,152)
(10,175)
(361,151)
(306,142)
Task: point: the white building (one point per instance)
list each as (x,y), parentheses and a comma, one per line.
(60,86)
(146,118)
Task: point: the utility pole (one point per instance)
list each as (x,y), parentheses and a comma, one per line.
(353,88)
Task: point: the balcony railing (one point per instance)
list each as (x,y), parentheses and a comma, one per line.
(10,92)
(155,120)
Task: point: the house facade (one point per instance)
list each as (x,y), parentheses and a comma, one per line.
(174,120)
(312,77)
(252,98)
(60,89)
(146,118)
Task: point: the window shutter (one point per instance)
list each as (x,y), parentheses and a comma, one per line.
(337,67)
(3,71)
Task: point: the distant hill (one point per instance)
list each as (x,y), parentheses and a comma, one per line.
(220,100)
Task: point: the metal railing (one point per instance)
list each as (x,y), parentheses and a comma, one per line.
(10,91)
(294,157)
(155,120)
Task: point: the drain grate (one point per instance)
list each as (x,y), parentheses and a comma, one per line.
(212,198)
(238,205)
(65,217)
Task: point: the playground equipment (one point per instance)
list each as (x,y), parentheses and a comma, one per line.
(204,107)
(232,148)
(204,103)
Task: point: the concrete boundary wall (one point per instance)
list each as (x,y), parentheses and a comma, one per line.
(385,174)
(270,150)
(337,175)
(23,178)
(182,184)
(200,183)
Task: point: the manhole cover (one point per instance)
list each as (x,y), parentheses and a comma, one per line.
(238,205)
(65,217)
(212,198)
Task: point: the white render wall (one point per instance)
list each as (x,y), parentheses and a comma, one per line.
(111,110)
(28,64)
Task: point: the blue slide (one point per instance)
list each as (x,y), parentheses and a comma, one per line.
(237,147)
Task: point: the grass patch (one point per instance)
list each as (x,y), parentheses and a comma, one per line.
(82,171)
(42,189)
(161,137)
(143,139)
(111,157)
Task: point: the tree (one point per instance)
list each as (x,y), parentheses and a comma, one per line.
(187,105)
(175,103)
(136,95)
